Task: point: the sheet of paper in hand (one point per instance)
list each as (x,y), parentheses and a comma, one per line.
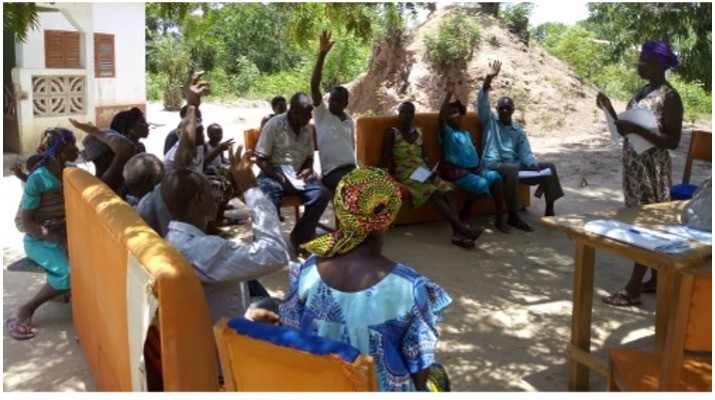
(292,176)
(611,123)
(421,174)
(644,118)
(534,174)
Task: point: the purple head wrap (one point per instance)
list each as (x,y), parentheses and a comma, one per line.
(661,53)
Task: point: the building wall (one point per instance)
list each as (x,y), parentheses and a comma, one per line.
(126,89)
(126,22)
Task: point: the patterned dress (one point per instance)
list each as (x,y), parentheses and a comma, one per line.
(394,321)
(408,157)
(647,177)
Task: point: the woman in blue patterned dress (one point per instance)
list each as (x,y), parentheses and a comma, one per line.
(349,291)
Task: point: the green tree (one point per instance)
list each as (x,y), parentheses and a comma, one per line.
(686,26)
(516,15)
(19,19)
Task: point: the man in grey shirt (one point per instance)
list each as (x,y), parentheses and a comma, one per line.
(223,266)
(284,153)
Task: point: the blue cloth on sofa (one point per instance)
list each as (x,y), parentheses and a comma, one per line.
(289,337)
(682,191)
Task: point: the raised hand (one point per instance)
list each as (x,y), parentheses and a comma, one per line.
(241,168)
(602,101)
(197,88)
(325,43)
(225,145)
(451,88)
(494,68)
(87,127)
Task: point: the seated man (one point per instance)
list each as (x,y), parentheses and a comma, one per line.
(507,150)
(284,153)
(333,126)
(278,105)
(223,266)
(141,174)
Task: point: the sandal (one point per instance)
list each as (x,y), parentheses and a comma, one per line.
(519,224)
(621,299)
(463,242)
(19,330)
(503,228)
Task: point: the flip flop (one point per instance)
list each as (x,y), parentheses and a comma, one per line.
(19,330)
(463,242)
(621,299)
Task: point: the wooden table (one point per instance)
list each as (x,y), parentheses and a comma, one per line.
(649,216)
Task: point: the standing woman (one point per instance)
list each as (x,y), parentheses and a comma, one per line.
(647,177)
(43,219)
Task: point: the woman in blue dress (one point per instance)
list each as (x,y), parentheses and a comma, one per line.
(348,291)
(43,220)
(461,164)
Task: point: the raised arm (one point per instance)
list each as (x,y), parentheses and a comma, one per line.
(445,107)
(494,69)
(325,46)
(217,151)
(388,142)
(122,148)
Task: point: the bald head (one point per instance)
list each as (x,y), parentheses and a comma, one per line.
(187,194)
(142,172)
(301,109)
(505,108)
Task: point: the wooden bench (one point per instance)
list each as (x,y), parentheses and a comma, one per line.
(370,132)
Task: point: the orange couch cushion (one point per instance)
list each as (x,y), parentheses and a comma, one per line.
(370,132)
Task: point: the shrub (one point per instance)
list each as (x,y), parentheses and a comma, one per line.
(155,84)
(696,101)
(516,16)
(454,42)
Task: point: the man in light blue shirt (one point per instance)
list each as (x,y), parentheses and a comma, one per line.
(507,150)
(223,266)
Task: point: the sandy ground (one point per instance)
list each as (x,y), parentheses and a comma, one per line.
(509,324)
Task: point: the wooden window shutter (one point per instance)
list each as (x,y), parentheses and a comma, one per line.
(104,55)
(62,49)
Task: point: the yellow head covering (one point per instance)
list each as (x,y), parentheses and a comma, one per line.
(366,200)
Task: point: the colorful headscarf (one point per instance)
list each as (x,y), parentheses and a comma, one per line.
(52,141)
(366,200)
(660,52)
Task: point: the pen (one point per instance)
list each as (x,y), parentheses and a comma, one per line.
(633,230)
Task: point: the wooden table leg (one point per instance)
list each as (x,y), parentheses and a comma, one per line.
(581,314)
(665,299)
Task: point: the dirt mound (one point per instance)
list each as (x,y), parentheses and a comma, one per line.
(548,96)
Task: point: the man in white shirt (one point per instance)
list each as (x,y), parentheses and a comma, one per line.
(223,266)
(334,128)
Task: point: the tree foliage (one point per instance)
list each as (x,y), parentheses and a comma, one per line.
(516,15)
(452,46)
(686,26)
(19,19)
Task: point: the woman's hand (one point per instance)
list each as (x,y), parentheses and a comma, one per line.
(627,127)
(602,101)
(84,126)
(263,316)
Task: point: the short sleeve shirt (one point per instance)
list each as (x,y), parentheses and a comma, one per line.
(336,139)
(280,145)
(197,164)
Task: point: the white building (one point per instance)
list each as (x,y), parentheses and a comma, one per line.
(86,61)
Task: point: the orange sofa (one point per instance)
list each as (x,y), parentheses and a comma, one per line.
(370,132)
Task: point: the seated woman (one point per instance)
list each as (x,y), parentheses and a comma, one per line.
(348,291)
(403,145)
(43,221)
(461,164)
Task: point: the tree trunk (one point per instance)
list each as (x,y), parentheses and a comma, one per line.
(173,98)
